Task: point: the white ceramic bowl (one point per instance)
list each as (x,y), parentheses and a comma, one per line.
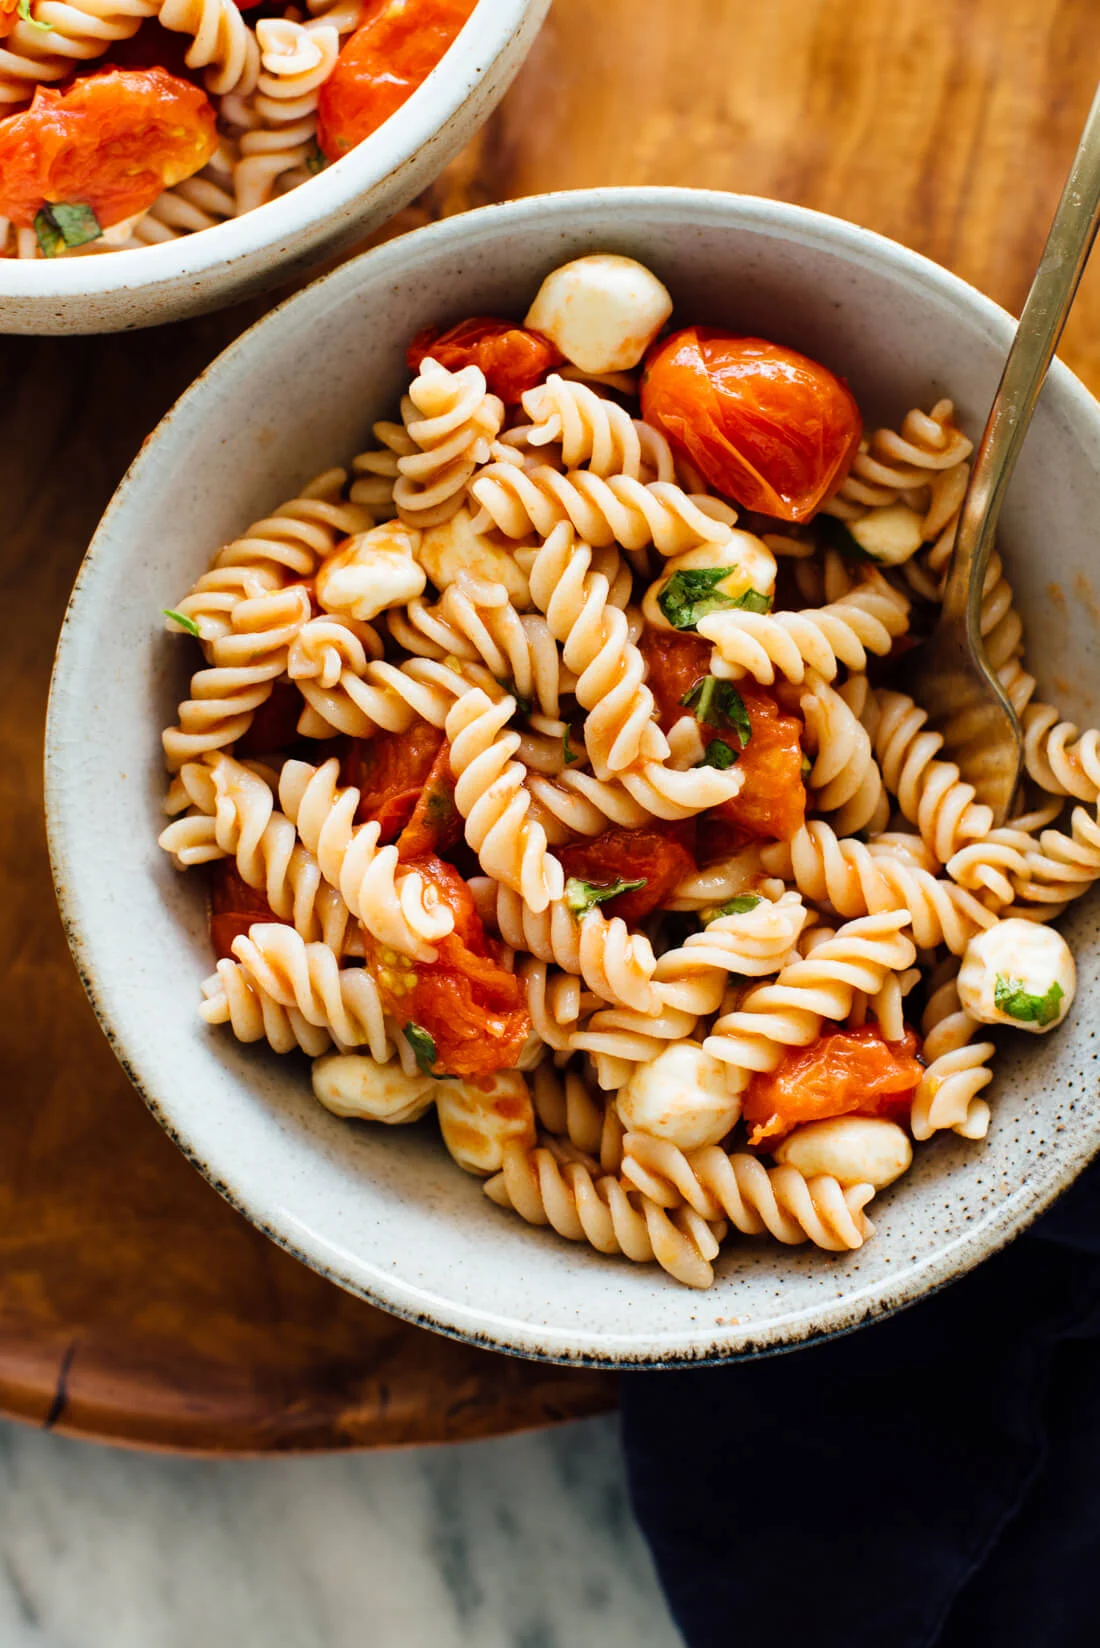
(118,291)
(385,1213)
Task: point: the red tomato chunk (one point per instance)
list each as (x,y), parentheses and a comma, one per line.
(512,358)
(390,771)
(396,46)
(657,855)
(234,907)
(435,825)
(842,1073)
(767,426)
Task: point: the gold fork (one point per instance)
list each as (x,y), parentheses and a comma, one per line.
(951,673)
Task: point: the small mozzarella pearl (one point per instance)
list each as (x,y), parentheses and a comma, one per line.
(853,1149)
(603,312)
(1032,962)
(684,1096)
(374,570)
(479,1116)
(352,1084)
(447,550)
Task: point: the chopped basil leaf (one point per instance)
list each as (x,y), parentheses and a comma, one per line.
(1011,997)
(719,754)
(692,593)
(835,535)
(316,161)
(581,896)
(182,620)
(719,704)
(423,1046)
(739,905)
(523,705)
(24,12)
(65,223)
(569,754)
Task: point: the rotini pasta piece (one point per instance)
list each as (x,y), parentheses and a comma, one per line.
(603,1213)
(733,1185)
(617,1040)
(295,59)
(239,810)
(1061,866)
(199,202)
(222,42)
(862,880)
(770,1018)
(752,943)
(594,431)
(930,792)
(395,904)
(343,1001)
(475,619)
(246,661)
(991,866)
(567,1109)
(57,36)
(231,997)
(553,1000)
(924,464)
(491,795)
(886,1006)
(957,1069)
(617,510)
(845,779)
(1060,759)
(727,878)
(376,471)
(451,420)
(302,532)
(615,964)
(760,644)
(330,662)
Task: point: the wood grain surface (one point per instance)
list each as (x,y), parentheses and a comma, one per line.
(134,1304)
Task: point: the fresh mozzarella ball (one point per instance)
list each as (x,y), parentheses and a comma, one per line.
(352,1084)
(603,312)
(853,1149)
(455,547)
(479,1115)
(1019,973)
(891,535)
(751,564)
(684,1096)
(373,571)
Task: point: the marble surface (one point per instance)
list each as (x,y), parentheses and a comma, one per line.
(522,1543)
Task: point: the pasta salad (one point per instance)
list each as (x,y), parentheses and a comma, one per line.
(551,769)
(125,123)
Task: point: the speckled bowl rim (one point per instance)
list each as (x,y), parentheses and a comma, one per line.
(383,156)
(856,1307)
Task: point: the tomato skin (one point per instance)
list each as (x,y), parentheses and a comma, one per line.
(768,427)
(513,358)
(435,825)
(9,16)
(390,771)
(234,907)
(470,1004)
(658,852)
(112,141)
(394,49)
(842,1073)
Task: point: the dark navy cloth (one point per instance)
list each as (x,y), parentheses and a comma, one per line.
(933,1479)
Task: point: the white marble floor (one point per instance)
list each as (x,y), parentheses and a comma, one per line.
(523,1543)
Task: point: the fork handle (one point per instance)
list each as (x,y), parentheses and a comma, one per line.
(1041,321)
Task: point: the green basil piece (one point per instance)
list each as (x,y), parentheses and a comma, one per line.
(719,754)
(523,705)
(1011,997)
(582,896)
(23,11)
(182,620)
(692,593)
(719,704)
(739,905)
(835,535)
(569,754)
(423,1046)
(65,223)
(316,160)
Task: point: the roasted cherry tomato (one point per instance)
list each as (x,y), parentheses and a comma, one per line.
(772,802)
(512,358)
(768,427)
(390,770)
(435,825)
(468,1003)
(842,1073)
(111,142)
(9,16)
(234,907)
(658,855)
(396,46)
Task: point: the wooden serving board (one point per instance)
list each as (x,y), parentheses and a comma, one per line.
(135,1306)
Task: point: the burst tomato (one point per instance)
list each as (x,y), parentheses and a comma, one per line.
(842,1073)
(512,358)
(9,16)
(234,907)
(658,854)
(471,1006)
(768,427)
(435,825)
(771,804)
(112,141)
(396,46)
(390,770)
